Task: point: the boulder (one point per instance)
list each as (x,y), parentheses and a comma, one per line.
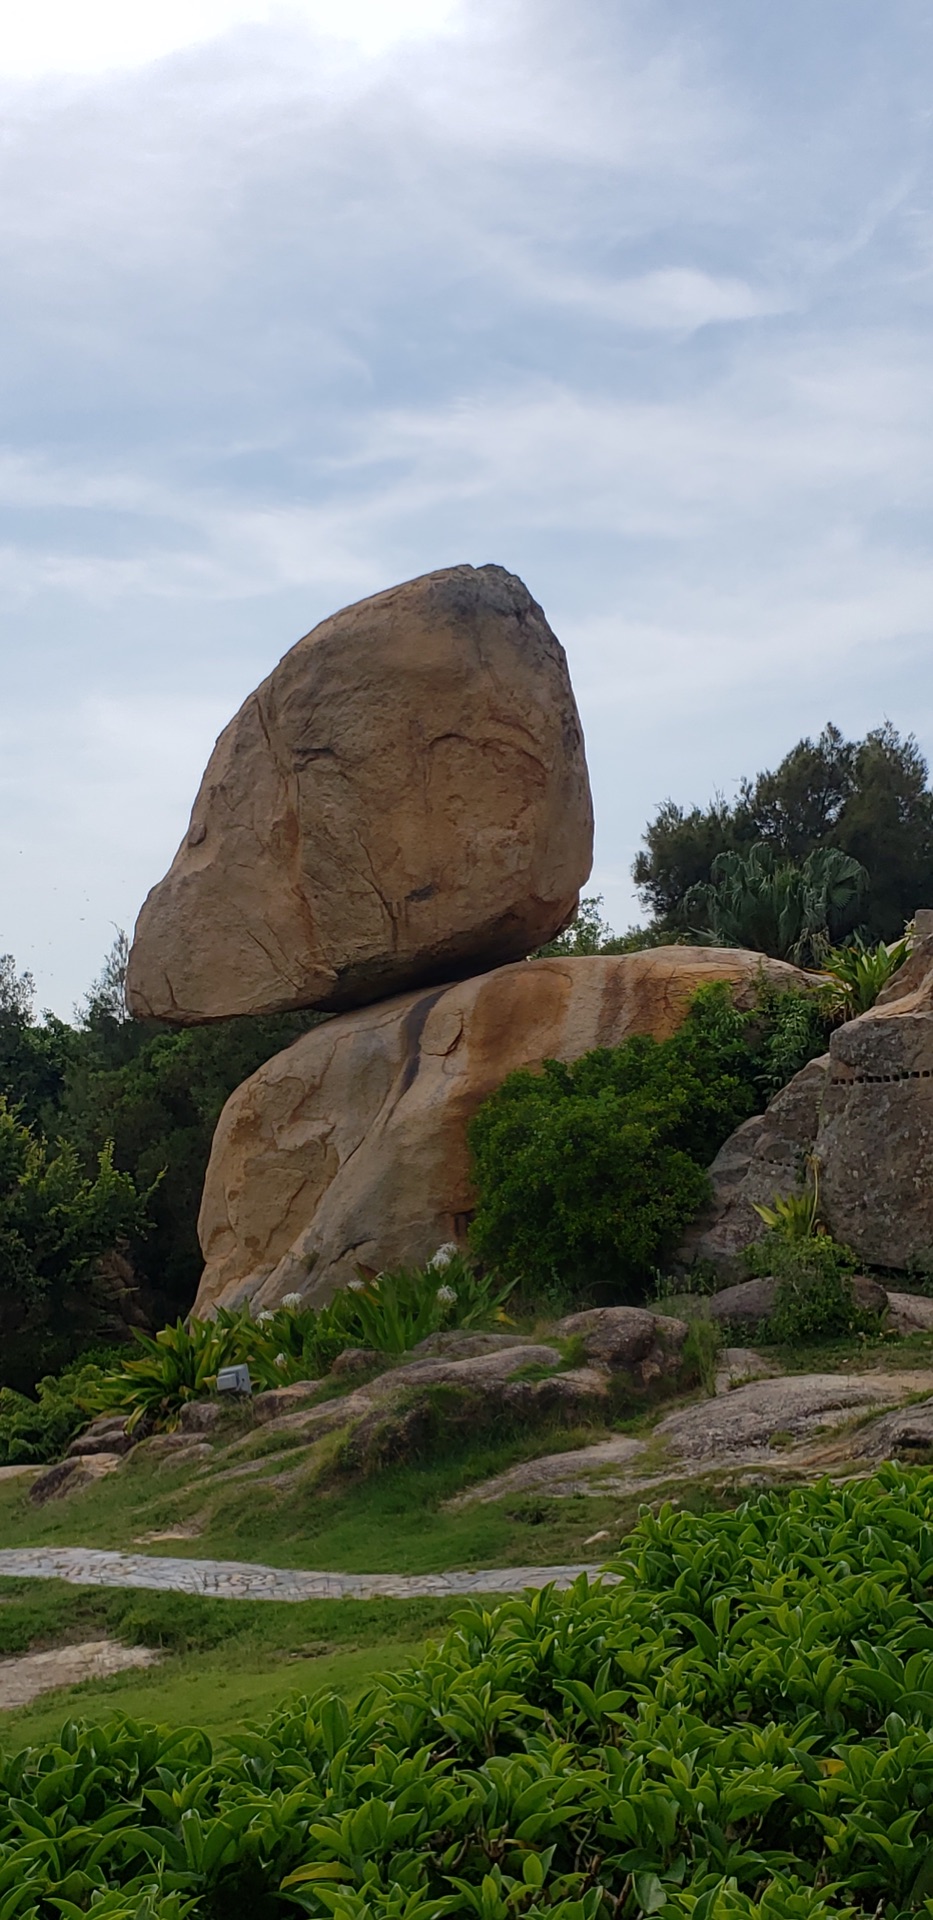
(751,1303)
(349,1148)
(73,1475)
(865,1110)
(766,1155)
(875,1138)
(631,1340)
(106,1435)
(404,800)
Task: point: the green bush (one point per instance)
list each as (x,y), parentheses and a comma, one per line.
(34,1431)
(814,1295)
(741,1729)
(588,1174)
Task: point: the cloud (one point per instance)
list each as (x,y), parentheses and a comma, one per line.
(635,301)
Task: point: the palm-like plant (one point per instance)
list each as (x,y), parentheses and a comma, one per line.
(764,901)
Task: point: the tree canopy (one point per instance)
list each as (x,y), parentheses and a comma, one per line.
(868,799)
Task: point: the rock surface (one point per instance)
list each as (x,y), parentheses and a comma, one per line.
(751,1302)
(30,1674)
(72,1476)
(349,1148)
(865,1110)
(405,799)
(646,1346)
(875,1137)
(765,1156)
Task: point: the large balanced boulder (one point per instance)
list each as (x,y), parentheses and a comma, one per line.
(349,1148)
(404,800)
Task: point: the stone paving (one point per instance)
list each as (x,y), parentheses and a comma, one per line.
(242,1580)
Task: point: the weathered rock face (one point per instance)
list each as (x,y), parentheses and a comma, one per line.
(350,1147)
(875,1139)
(865,1110)
(404,800)
(765,1156)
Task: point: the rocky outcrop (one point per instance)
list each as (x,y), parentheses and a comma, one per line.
(765,1156)
(349,1148)
(865,1111)
(875,1136)
(404,800)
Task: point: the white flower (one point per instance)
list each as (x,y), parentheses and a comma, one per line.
(291,1299)
(356,1286)
(442,1258)
(447,1296)
(264,1317)
(281,1360)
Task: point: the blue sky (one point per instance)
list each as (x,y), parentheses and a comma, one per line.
(636,300)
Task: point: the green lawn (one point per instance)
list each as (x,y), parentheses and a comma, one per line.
(225,1661)
(394,1522)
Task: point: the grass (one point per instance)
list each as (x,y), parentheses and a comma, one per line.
(395,1522)
(225,1661)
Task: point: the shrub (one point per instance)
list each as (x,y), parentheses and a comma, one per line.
(587,1174)
(740,1729)
(793,1028)
(814,1293)
(34,1431)
(859,972)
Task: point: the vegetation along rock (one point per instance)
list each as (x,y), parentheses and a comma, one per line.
(349,1149)
(404,799)
(750,1304)
(645,1346)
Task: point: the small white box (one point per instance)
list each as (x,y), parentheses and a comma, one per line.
(234,1380)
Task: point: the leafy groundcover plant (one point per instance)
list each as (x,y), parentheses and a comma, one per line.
(740,1729)
(389,1312)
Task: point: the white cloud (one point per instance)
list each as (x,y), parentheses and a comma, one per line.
(55,36)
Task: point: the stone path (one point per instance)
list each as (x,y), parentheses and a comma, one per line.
(242,1580)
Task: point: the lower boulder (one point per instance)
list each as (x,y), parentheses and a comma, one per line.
(349,1149)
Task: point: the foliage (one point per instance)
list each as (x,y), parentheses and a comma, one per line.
(393,1311)
(742,1727)
(57,1296)
(814,1294)
(587,1174)
(153,1094)
(793,1216)
(701,1352)
(390,1312)
(859,973)
(763,900)
(36,1431)
(793,1027)
(868,798)
(588,932)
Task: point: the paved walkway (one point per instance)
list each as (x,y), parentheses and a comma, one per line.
(242,1580)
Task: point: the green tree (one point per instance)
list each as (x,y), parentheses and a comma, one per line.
(762,900)
(60,1287)
(34,1056)
(868,799)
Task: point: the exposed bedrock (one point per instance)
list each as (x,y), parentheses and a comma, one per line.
(349,1148)
(404,800)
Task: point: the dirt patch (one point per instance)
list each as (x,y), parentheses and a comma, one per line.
(30,1674)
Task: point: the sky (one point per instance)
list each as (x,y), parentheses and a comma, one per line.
(299,301)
